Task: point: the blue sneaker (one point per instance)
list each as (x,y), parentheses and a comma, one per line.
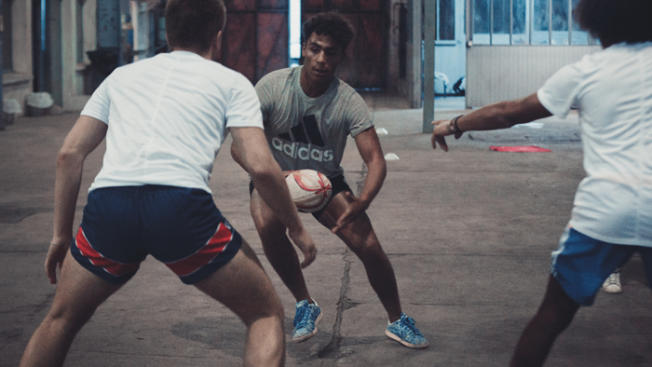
(405,332)
(306,318)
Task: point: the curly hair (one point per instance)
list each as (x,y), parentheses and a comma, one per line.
(193,24)
(329,24)
(613,21)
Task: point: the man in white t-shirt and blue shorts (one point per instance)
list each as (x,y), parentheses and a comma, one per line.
(308,115)
(612,211)
(165,119)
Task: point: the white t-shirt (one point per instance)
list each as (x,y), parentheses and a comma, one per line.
(167,118)
(613,91)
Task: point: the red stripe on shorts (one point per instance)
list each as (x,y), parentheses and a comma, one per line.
(204,255)
(110,266)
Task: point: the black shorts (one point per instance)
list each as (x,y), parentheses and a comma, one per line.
(339,185)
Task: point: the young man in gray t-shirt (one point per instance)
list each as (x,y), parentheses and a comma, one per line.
(308,114)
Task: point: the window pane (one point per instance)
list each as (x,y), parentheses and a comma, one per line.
(559,22)
(519,26)
(580,37)
(295,30)
(501,22)
(481,22)
(446,23)
(540,24)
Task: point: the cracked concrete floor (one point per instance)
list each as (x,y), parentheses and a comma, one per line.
(469,234)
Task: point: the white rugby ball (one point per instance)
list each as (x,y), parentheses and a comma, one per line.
(309,189)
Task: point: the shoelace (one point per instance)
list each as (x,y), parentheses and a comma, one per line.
(409,323)
(303,313)
(613,279)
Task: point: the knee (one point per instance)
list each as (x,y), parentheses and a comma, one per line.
(555,320)
(276,309)
(270,233)
(368,249)
(266,230)
(66,320)
(272,310)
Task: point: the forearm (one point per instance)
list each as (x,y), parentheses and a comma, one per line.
(491,117)
(251,152)
(66,189)
(504,114)
(496,116)
(377,170)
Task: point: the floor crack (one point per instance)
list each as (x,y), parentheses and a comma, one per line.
(332,348)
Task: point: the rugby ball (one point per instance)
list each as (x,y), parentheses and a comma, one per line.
(309,189)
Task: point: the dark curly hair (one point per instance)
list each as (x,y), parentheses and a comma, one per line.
(193,24)
(329,24)
(616,21)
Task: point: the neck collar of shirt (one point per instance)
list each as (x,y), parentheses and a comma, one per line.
(297,81)
(184,53)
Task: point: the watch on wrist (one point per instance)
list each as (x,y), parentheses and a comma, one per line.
(455,127)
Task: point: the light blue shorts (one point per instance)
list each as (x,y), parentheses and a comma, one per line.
(581,264)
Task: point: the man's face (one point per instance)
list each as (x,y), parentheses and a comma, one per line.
(321,56)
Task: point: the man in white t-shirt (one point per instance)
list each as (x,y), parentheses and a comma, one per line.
(612,211)
(308,115)
(164,120)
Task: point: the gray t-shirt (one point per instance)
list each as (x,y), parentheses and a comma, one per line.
(305,132)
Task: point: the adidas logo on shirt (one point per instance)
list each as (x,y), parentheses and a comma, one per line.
(304,142)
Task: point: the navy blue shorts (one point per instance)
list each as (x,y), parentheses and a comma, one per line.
(180,227)
(581,264)
(338,183)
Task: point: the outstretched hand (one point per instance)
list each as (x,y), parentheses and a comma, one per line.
(443,128)
(54,260)
(304,243)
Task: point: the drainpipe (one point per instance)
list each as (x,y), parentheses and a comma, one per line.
(429,17)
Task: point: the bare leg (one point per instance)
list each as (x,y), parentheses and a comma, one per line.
(78,294)
(554,315)
(360,237)
(278,248)
(243,287)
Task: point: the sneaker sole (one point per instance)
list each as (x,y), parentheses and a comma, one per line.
(409,345)
(308,336)
(612,289)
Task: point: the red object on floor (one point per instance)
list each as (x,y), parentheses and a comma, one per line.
(519,149)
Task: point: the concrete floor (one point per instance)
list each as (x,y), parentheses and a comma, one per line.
(469,233)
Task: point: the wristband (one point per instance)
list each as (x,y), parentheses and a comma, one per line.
(456,127)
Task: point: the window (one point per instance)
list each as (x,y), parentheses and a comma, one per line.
(522,22)
(446,20)
(500,24)
(559,22)
(295,32)
(7,62)
(578,36)
(540,15)
(520,30)
(481,22)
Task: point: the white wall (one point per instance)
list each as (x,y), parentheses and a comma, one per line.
(497,73)
(21,36)
(90,28)
(72,78)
